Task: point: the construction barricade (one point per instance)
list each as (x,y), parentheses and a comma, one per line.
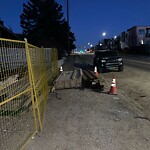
(25,73)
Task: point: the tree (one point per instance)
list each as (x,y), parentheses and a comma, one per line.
(43,25)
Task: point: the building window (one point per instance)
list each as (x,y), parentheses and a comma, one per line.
(141,31)
(147,32)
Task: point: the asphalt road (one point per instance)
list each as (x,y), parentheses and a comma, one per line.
(143,65)
(134,81)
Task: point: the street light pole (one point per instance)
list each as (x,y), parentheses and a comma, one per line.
(68,11)
(68,24)
(103,42)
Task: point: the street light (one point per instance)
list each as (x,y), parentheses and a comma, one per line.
(115,37)
(104,34)
(103,40)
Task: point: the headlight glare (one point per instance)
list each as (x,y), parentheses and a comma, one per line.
(103,60)
(119,59)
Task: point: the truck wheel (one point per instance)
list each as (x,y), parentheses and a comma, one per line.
(94,63)
(120,68)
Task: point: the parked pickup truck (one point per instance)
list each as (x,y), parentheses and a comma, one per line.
(107,60)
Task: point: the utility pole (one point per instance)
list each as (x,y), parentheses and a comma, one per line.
(68,11)
(68,24)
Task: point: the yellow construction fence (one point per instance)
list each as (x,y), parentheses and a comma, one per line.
(26,75)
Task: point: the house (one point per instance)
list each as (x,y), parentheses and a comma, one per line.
(124,40)
(137,37)
(6,33)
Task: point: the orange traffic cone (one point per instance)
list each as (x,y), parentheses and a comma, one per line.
(113,87)
(96,72)
(61,69)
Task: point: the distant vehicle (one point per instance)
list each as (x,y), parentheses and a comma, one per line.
(107,60)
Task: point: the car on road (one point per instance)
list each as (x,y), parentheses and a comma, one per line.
(107,60)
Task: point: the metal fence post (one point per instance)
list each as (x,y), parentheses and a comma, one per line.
(31,82)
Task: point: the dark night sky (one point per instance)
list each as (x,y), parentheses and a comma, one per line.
(88,18)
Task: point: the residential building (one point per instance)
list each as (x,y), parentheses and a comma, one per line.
(124,40)
(136,37)
(6,33)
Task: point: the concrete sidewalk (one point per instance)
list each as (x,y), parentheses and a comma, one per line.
(84,119)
